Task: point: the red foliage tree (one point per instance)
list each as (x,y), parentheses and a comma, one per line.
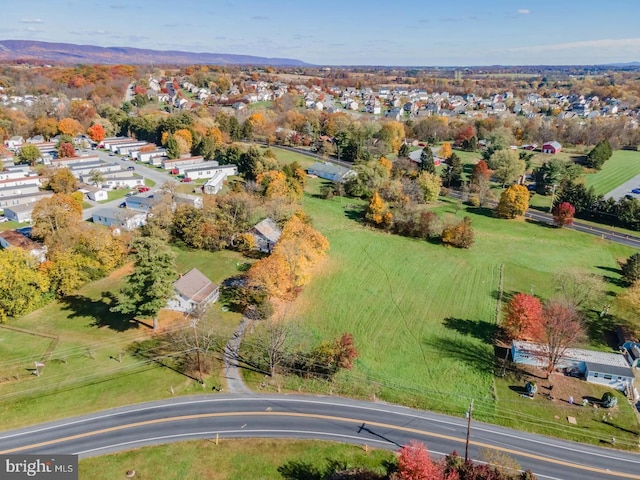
(66,150)
(464,134)
(563,214)
(139,90)
(481,172)
(346,351)
(414,463)
(561,328)
(523,316)
(96,132)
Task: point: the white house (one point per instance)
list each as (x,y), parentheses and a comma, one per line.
(14,143)
(19,213)
(193,290)
(124,218)
(215,183)
(605,368)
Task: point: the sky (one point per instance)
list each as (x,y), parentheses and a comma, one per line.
(346,32)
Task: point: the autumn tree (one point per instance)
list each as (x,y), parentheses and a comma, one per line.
(445,150)
(377,212)
(481,172)
(426,161)
(561,329)
(29,154)
(414,463)
(514,202)
(45,126)
(631,269)
(55,219)
(392,134)
(70,126)
(431,184)
(66,150)
(506,165)
(63,181)
(22,285)
(480,185)
(150,286)
(563,214)
(459,235)
(96,132)
(82,110)
(346,352)
(68,270)
(186,135)
(523,317)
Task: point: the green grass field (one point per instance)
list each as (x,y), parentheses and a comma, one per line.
(234,459)
(85,372)
(621,167)
(423,315)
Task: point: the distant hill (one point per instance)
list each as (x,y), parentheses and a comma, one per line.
(624,65)
(11,50)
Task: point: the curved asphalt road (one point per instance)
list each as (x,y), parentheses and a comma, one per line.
(378,425)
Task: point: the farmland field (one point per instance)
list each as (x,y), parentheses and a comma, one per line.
(622,166)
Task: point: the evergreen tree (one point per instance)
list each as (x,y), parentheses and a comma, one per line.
(452,174)
(151,284)
(172,146)
(426,161)
(404,151)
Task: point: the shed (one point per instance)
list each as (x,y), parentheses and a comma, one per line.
(193,290)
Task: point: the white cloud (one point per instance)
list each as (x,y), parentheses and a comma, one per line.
(32,30)
(607,43)
(524,11)
(30,20)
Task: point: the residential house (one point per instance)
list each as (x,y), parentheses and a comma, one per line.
(551,147)
(266,234)
(194,201)
(24,198)
(215,183)
(631,351)
(93,193)
(15,239)
(416,154)
(330,171)
(14,143)
(144,204)
(204,170)
(124,218)
(171,163)
(20,213)
(193,290)
(604,368)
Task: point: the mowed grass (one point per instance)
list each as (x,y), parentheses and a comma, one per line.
(86,371)
(423,315)
(233,460)
(621,167)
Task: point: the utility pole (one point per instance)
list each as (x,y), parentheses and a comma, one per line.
(553,196)
(194,324)
(466,448)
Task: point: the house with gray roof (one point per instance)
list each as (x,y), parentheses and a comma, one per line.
(193,290)
(124,218)
(330,171)
(266,234)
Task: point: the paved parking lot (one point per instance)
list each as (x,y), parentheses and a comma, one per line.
(625,189)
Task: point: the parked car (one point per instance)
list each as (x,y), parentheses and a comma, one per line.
(131,167)
(112,154)
(130,194)
(636,191)
(142,189)
(3,219)
(186,180)
(122,205)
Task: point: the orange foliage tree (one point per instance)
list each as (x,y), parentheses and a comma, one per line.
(70,126)
(523,317)
(96,132)
(445,150)
(378,212)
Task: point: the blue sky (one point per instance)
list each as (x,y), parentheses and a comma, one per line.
(346,32)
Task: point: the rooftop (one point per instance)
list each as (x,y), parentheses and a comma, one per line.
(194,286)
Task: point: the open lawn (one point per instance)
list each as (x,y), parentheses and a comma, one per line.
(621,167)
(85,371)
(422,315)
(234,459)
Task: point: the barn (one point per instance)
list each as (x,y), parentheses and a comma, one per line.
(551,147)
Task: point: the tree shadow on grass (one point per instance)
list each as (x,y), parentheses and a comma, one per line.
(465,350)
(98,311)
(482,211)
(610,269)
(540,224)
(355,214)
(602,329)
(479,329)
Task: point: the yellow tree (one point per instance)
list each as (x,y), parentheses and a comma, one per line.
(445,150)
(514,201)
(392,133)
(56,220)
(186,135)
(386,164)
(45,126)
(63,181)
(431,184)
(70,126)
(22,285)
(377,212)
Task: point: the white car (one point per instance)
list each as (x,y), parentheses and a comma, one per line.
(3,219)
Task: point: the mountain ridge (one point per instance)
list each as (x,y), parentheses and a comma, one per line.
(58,52)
